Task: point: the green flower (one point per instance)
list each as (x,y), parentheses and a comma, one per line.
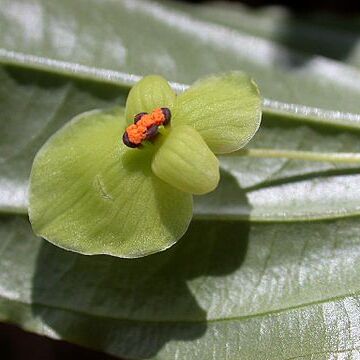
(93,193)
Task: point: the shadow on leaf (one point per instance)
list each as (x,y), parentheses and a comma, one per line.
(132,308)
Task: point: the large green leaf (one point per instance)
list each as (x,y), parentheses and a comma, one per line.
(228,289)
(249,178)
(168,42)
(306,35)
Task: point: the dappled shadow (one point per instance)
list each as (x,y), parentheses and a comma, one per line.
(309,39)
(306,34)
(228,201)
(132,308)
(136,161)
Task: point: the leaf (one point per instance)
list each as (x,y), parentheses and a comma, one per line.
(226,110)
(33,106)
(228,289)
(91,194)
(224,290)
(335,38)
(70,96)
(108,39)
(323,197)
(184,161)
(274,134)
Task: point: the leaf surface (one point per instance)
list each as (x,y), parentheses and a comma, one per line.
(286,289)
(225,289)
(245,182)
(313,33)
(172,43)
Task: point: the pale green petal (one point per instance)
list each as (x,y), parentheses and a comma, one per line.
(186,162)
(225,109)
(149,93)
(91,194)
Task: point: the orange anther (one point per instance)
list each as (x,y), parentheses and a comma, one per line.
(136,133)
(146,120)
(145,126)
(158,116)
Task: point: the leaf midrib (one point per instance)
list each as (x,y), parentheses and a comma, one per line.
(290,111)
(188,321)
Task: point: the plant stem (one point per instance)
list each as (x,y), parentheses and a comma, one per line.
(345,158)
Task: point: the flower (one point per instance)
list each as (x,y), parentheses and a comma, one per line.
(121,181)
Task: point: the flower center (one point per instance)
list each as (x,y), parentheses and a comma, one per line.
(146,126)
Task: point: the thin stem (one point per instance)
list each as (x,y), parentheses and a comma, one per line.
(345,158)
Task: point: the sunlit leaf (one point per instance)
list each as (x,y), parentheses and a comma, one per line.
(227,289)
(230,289)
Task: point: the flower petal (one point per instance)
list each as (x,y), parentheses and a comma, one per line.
(91,194)
(149,93)
(186,162)
(225,109)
